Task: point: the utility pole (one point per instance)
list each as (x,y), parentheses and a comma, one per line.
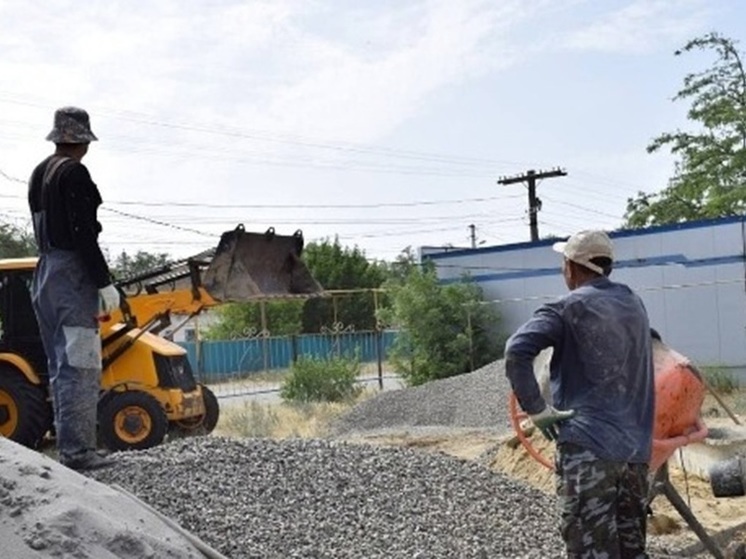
(534,203)
(473,235)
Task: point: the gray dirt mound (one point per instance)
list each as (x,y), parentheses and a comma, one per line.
(476,400)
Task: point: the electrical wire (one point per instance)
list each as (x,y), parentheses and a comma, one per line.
(460,166)
(266,136)
(579,207)
(10,178)
(162,223)
(373,205)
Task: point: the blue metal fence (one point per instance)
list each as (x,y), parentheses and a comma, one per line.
(225,360)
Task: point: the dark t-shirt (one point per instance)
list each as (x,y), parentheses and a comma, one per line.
(68,209)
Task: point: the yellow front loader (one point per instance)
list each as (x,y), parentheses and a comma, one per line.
(148,389)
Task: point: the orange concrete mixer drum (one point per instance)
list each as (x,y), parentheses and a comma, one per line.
(679,393)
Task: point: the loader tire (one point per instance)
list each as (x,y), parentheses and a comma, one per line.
(25,412)
(131,420)
(202,425)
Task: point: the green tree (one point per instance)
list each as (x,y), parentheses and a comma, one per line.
(16,242)
(125,265)
(338,267)
(710,175)
(241,320)
(445,330)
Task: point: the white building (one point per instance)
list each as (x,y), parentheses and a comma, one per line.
(193,329)
(692,277)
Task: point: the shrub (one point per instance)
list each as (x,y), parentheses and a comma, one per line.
(332,379)
(720,381)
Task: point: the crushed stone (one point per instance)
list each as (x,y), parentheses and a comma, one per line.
(476,400)
(311,498)
(257,498)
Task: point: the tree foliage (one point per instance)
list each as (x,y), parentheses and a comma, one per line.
(444,329)
(125,265)
(338,267)
(16,242)
(710,175)
(244,320)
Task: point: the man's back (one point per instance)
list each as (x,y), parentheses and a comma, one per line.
(64,213)
(603,370)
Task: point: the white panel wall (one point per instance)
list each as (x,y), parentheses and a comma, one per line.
(691,278)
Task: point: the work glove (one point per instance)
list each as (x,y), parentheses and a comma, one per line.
(108,299)
(546,421)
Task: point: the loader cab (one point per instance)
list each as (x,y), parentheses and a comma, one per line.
(19,332)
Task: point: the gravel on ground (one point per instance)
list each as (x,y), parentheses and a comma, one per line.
(473,400)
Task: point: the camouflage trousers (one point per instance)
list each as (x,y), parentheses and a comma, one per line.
(603,505)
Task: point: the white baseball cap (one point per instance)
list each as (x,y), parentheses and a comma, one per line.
(584,246)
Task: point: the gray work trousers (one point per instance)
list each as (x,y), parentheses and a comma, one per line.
(66,305)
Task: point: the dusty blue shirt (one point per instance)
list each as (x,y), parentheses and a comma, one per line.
(601,367)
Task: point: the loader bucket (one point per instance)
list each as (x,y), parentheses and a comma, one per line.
(250,266)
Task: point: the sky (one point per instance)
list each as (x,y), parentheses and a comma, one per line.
(386,124)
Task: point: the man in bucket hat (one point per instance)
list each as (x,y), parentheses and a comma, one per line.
(71,287)
(602,385)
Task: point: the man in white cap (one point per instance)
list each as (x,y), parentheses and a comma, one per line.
(71,287)
(602,411)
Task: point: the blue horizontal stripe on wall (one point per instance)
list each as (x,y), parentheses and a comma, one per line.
(613,234)
(665,260)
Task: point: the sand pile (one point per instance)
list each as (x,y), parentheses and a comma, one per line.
(47,510)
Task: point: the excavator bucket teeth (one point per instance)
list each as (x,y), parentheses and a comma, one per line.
(249,266)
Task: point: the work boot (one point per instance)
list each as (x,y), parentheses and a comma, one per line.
(89,460)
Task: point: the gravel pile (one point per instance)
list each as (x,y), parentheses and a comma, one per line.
(477,400)
(260,498)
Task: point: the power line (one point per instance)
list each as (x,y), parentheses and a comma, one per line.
(314,206)
(142,118)
(607,180)
(162,223)
(177,204)
(305,222)
(583,208)
(399,233)
(10,178)
(267,136)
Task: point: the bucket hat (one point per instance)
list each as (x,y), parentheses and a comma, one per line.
(71,126)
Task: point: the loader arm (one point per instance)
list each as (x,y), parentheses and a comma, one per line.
(150,307)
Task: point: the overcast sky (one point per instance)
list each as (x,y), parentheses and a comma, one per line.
(385,123)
